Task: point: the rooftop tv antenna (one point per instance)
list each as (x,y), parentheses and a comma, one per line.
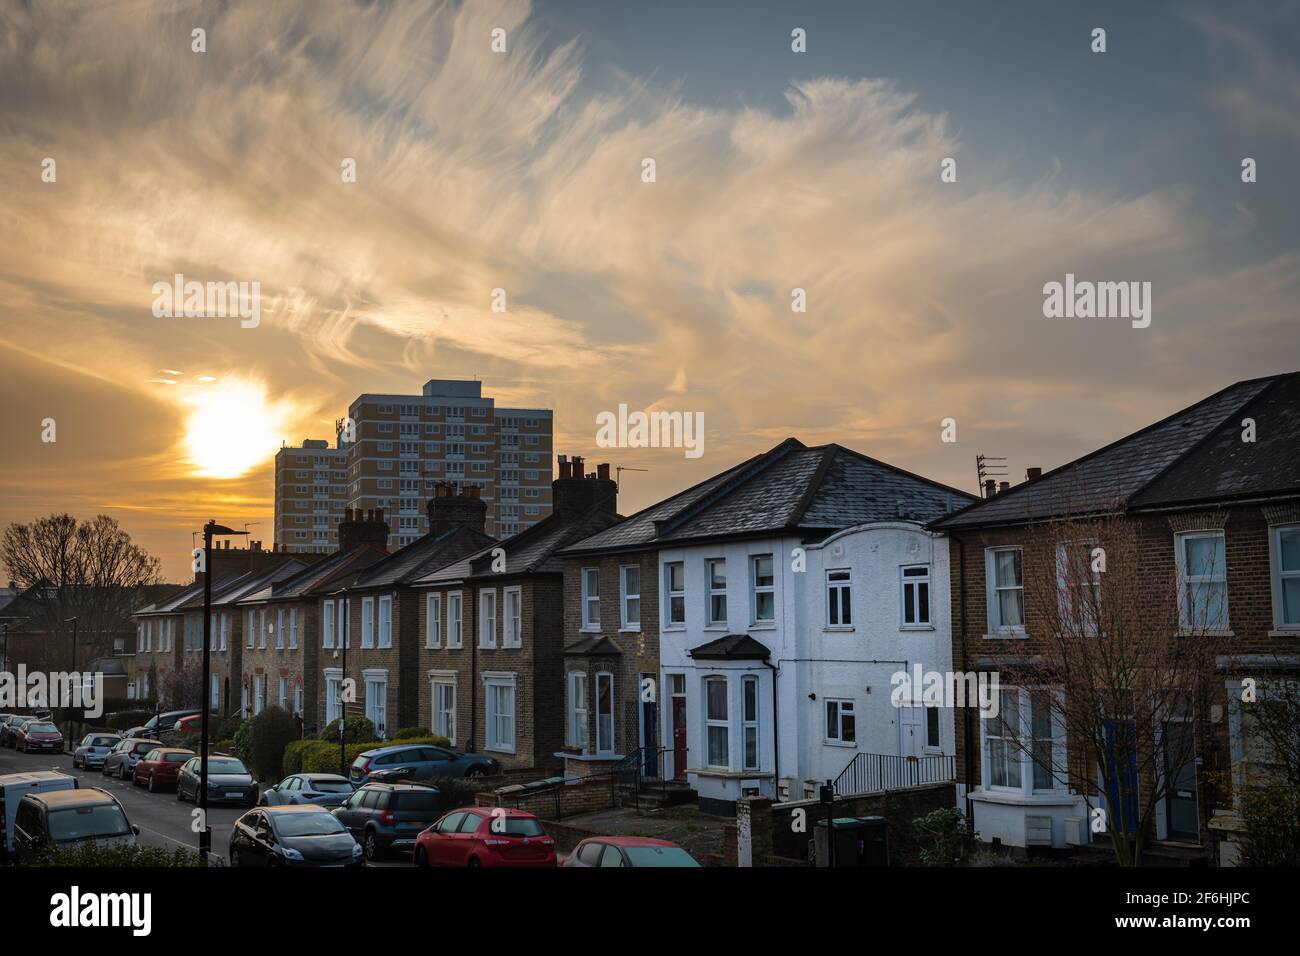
(618,474)
(989,467)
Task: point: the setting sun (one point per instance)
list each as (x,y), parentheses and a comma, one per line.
(232,427)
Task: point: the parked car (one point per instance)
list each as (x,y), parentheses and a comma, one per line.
(631,851)
(35,736)
(485,836)
(160,767)
(9,726)
(192,724)
(304,835)
(158,723)
(121,760)
(67,818)
(228,781)
(408,762)
(322,789)
(93,750)
(15,786)
(388,816)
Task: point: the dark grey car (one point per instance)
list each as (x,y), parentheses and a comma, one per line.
(228,781)
(389,816)
(292,836)
(121,760)
(322,789)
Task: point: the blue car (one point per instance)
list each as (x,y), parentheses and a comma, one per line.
(403,762)
(93,750)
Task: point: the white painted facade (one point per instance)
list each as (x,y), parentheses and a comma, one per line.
(851,662)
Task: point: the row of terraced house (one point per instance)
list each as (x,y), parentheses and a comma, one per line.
(743,636)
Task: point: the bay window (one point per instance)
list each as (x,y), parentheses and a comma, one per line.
(716,721)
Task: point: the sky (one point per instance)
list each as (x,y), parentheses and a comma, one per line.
(522,170)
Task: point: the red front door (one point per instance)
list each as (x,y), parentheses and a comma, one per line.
(679,738)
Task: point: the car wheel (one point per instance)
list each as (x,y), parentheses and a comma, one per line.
(180,794)
(234,858)
(371,846)
(473,862)
(153,787)
(74,762)
(476,772)
(121,771)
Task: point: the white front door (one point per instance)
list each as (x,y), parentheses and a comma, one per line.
(911,731)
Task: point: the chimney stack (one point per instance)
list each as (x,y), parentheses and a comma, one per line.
(362,527)
(462,510)
(573,492)
(602,471)
(577,467)
(566,470)
(1032,473)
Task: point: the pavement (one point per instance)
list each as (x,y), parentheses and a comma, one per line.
(163,820)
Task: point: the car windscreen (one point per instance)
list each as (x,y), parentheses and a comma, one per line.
(658,856)
(105,741)
(42,729)
(306,824)
(415,801)
(177,758)
(79,823)
(331,786)
(225,766)
(143,748)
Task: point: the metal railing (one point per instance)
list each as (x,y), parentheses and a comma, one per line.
(642,769)
(870,773)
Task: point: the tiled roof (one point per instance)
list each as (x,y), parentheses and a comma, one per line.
(1194,454)
(338,569)
(422,556)
(792,488)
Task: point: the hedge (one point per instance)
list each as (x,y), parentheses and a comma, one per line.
(115,855)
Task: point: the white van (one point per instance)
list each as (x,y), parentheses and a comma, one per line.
(15,786)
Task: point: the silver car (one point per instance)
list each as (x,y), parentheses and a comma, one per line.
(322,789)
(93,750)
(121,760)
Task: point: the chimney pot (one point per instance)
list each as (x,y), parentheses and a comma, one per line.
(1032,473)
(577,466)
(1005,486)
(379,514)
(602,471)
(990,487)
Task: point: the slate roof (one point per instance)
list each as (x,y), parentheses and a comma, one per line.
(177,602)
(1194,455)
(337,570)
(425,554)
(791,488)
(733,647)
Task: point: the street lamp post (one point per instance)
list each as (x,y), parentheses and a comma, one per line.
(205,833)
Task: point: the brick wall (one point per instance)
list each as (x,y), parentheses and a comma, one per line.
(898,807)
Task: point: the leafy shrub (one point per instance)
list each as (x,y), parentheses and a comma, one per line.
(943,837)
(242,738)
(227,727)
(223,747)
(273,730)
(406,733)
(114,855)
(126,719)
(357,730)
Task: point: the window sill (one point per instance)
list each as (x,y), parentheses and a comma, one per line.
(672,628)
(1021,798)
(1285,632)
(499,750)
(916,627)
(630,630)
(763,626)
(847,744)
(839,629)
(1182,633)
(590,629)
(716,627)
(1016,635)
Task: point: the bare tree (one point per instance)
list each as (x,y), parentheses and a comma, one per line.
(182,686)
(89,570)
(1266,789)
(1121,667)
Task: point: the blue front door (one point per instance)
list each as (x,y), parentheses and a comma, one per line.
(1121,773)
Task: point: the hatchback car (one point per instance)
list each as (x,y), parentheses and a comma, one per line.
(121,760)
(93,749)
(322,789)
(159,768)
(158,723)
(228,781)
(8,726)
(303,835)
(36,736)
(486,836)
(631,851)
(388,816)
(64,818)
(407,762)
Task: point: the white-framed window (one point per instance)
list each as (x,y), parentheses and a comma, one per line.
(762,585)
(1024,743)
(327,620)
(433,620)
(629,597)
(444,708)
(284,693)
(1005,590)
(914,591)
(717,726)
(297,699)
(841,721)
(577,735)
(259,693)
(293,628)
(500,713)
(1078,586)
(216,692)
(225,631)
(674,594)
(591,599)
(279,628)
(1203,580)
(367,622)
(487,618)
(343,626)
(512,624)
(386,621)
(333,692)
(715,573)
(749,722)
(1286,576)
(263,627)
(839,598)
(932,729)
(455,615)
(250,628)
(377,700)
(604,713)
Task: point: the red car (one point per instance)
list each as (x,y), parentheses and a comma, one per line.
(632,851)
(36,735)
(189,725)
(485,836)
(160,767)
